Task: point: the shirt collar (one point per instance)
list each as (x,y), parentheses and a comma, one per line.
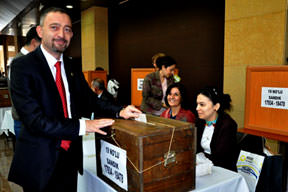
(24,51)
(49,58)
(99,95)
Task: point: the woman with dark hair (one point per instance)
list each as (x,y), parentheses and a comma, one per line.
(176,100)
(154,59)
(216,130)
(155,85)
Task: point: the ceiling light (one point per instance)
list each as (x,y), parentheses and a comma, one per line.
(122,2)
(69,6)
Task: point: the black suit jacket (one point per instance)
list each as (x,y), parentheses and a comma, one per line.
(37,101)
(106,96)
(224,149)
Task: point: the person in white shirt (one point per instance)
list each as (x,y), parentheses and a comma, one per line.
(216,130)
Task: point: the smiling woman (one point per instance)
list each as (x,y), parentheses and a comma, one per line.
(176,100)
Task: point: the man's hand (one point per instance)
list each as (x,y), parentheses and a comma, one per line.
(129,111)
(96,125)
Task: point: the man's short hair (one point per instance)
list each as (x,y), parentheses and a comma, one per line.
(46,10)
(99,83)
(32,34)
(166,61)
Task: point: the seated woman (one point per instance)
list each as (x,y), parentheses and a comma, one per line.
(216,130)
(175,99)
(155,85)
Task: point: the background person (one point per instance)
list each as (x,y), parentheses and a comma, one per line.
(155,57)
(98,87)
(216,130)
(50,94)
(176,77)
(155,85)
(31,43)
(176,100)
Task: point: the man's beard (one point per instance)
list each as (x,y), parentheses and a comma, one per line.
(59,49)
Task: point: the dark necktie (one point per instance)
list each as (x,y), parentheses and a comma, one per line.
(65,144)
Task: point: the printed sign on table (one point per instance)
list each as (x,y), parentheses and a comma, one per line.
(113,163)
(273,97)
(249,165)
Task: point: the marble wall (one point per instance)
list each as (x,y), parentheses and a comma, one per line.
(94,38)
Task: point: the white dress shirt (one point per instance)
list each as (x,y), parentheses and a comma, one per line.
(51,62)
(24,52)
(206,138)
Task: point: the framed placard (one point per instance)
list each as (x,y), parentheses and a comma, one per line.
(113,163)
(137,78)
(266,102)
(274,97)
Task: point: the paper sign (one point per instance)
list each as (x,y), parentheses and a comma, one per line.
(142,118)
(249,165)
(113,163)
(273,97)
(140,84)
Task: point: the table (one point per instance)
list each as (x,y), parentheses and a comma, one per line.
(6,121)
(220,180)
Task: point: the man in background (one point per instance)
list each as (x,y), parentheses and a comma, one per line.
(31,43)
(98,87)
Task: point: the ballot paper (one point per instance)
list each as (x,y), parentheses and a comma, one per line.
(142,118)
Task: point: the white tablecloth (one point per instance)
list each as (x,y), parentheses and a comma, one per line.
(6,121)
(220,180)
(2,113)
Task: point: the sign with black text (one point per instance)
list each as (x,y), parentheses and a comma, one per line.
(273,97)
(140,84)
(113,163)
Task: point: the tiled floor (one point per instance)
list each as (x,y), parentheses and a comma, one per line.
(6,154)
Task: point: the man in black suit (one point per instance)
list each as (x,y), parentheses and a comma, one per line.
(98,87)
(48,151)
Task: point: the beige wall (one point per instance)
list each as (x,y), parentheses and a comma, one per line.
(254,35)
(94,38)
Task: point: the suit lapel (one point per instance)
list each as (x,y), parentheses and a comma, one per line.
(45,72)
(216,133)
(70,76)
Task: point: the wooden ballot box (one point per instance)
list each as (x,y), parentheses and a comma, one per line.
(266,106)
(90,75)
(160,155)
